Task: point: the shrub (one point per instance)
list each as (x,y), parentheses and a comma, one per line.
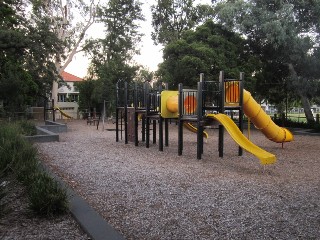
(25,165)
(16,154)
(27,127)
(19,157)
(10,141)
(294,124)
(46,196)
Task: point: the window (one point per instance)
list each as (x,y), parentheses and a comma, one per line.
(62,97)
(74,97)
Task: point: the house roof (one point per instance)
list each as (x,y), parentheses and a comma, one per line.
(68,77)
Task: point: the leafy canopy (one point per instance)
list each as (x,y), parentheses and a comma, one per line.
(170,18)
(27,49)
(209,49)
(286,35)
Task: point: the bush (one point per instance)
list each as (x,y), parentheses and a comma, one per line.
(46,196)
(10,141)
(28,128)
(293,124)
(17,155)
(19,158)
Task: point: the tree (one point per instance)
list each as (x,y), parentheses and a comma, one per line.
(144,75)
(283,32)
(87,94)
(120,19)
(209,49)
(26,59)
(112,55)
(170,18)
(63,22)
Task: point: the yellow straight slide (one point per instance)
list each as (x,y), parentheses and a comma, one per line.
(263,121)
(192,128)
(62,112)
(264,156)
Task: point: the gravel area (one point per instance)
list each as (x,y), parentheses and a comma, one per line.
(147,194)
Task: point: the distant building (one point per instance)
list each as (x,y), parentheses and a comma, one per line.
(68,96)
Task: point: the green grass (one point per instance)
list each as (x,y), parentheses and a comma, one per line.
(297,117)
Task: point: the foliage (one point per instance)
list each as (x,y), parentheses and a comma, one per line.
(68,21)
(62,18)
(286,35)
(27,128)
(209,49)
(294,124)
(17,155)
(46,196)
(112,55)
(19,158)
(171,18)
(144,75)
(27,50)
(108,76)
(119,17)
(87,96)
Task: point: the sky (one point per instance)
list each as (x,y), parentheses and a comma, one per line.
(150,54)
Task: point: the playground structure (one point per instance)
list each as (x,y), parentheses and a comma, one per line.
(50,108)
(195,109)
(62,112)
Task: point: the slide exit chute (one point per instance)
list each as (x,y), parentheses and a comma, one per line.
(257,116)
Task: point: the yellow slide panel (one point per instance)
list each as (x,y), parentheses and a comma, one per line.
(263,121)
(264,156)
(62,112)
(192,128)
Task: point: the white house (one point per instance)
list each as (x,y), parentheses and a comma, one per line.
(68,96)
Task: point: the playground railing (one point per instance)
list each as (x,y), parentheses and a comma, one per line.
(211,93)
(121,91)
(188,103)
(153,101)
(232,92)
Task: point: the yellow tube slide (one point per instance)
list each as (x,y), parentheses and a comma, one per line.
(263,122)
(255,113)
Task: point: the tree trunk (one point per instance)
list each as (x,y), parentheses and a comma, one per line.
(54,93)
(307,109)
(300,89)
(62,34)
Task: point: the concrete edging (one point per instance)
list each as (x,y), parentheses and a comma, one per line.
(43,135)
(48,132)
